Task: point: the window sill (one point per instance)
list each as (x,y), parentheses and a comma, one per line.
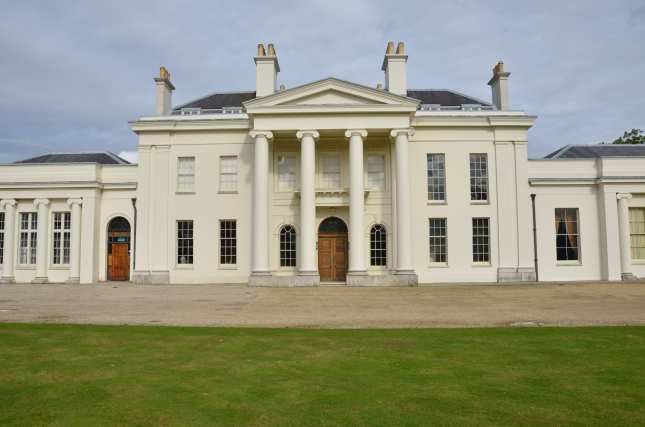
(227,267)
(568,263)
(437,202)
(481,264)
(25,267)
(184,192)
(480,202)
(184,266)
(438,265)
(59,267)
(227,192)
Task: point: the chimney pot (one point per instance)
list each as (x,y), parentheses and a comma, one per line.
(261,51)
(271,50)
(400,49)
(390,48)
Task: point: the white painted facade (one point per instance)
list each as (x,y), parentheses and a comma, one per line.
(329,148)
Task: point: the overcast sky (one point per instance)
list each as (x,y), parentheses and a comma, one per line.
(74,73)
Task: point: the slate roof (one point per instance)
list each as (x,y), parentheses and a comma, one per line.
(597,150)
(426,96)
(103,158)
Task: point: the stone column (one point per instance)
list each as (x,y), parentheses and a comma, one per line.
(403,215)
(308,273)
(356,205)
(8,265)
(260,229)
(75,250)
(623,236)
(41,244)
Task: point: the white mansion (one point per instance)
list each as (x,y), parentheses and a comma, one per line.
(330,181)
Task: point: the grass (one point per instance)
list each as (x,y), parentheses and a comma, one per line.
(138,375)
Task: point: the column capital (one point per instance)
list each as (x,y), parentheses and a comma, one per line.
(396,132)
(312,133)
(626,196)
(38,202)
(265,133)
(75,201)
(7,202)
(351,132)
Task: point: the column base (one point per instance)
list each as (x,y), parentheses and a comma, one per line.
(516,274)
(626,277)
(307,278)
(73,280)
(261,278)
(8,280)
(405,278)
(39,280)
(151,277)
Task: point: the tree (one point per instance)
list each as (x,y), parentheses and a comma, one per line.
(634,136)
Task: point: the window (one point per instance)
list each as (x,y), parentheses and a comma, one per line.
(287,246)
(378,246)
(228,173)
(330,170)
(286,172)
(479,177)
(637,232)
(438,240)
(1,237)
(185,242)
(376,171)
(436,177)
(566,234)
(28,237)
(186,174)
(481,246)
(61,238)
(227,242)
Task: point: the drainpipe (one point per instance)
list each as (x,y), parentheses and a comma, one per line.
(134,235)
(535,253)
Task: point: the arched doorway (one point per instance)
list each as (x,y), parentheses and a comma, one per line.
(118,249)
(332,250)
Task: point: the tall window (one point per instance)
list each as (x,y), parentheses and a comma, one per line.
(227,242)
(378,246)
(287,246)
(228,173)
(479,177)
(481,240)
(286,172)
(1,237)
(376,171)
(185,242)
(567,237)
(28,237)
(436,177)
(330,164)
(438,240)
(61,238)
(186,174)
(637,232)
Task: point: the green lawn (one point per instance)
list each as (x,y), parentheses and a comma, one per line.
(137,375)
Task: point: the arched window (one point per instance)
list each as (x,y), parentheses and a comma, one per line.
(378,246)
(287,246)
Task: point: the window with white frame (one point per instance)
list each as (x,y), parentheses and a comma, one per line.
(330,165)
(61,237)
(378,245)
(438,232)
(287,246)
(481,240)
(637,232)
(567,237)
(28,238)
(436,176)
(185,242)
(479,177)
(376,171)
(1,237)
(286,172)
(186,174)
(228,242)
(228,173)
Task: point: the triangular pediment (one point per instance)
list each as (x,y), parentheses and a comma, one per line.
(330,93)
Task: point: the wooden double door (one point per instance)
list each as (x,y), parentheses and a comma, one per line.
(332,256)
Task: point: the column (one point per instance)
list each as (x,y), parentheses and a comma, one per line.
(41,243)
(356,202)
(75,250)
(623,236)
(260,228)
(8,265)
(308,274)
(403,214)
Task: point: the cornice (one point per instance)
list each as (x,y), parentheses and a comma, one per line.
(199,124)
(331,109)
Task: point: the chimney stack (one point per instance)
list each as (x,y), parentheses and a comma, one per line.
(394,67)
(266,71)
(163,103)
(499,86)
